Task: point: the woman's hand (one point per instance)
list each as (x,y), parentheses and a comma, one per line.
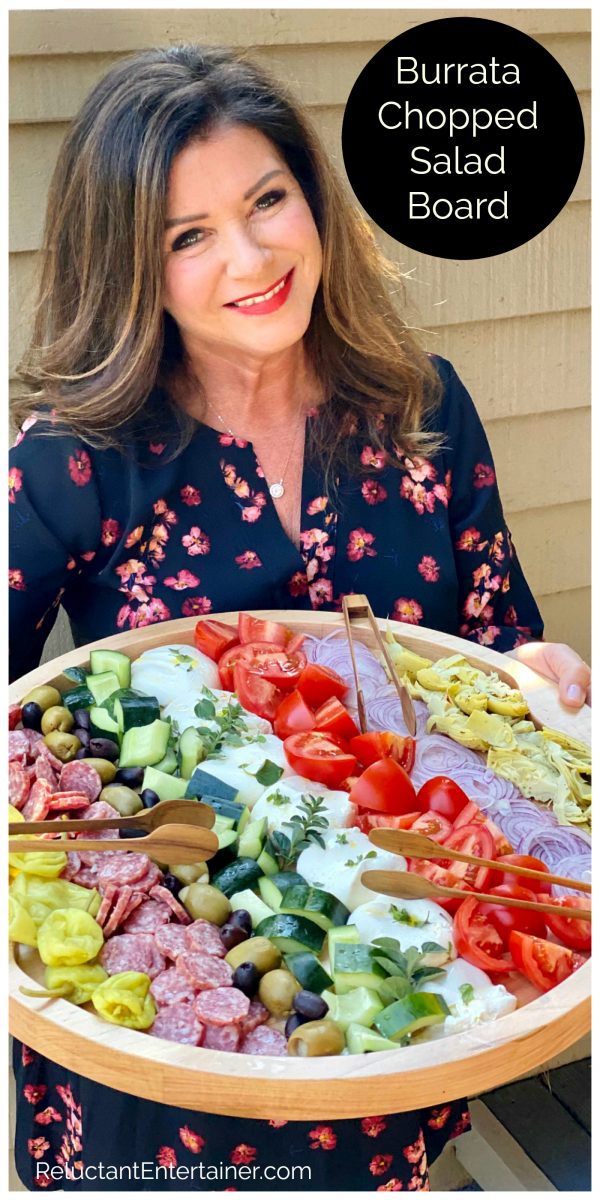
(561,664)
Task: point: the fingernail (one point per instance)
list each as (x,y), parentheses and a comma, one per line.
(575,694)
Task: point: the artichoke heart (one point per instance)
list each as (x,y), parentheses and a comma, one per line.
(512,704)
(432,680)
(492,730)
(455,725)
(469,700)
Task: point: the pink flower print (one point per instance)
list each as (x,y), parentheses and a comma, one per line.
(360,543)
(373,492)
(43,1180)
(260,472)
(156,447)
(80,468)
(409,611)
(166,1157)
(482,574)
(34,1092)
(441,493)
(196,606)
(392,1185)
(298,584)
(275,1124)
(71,564)
(196,542)
(47,1116)
(372,1126)
(183,580)
(312,569)
(487,636)
(134,536)
(325,552)
(243,1153)
(152,612)
(125,616)
(496,551)
(376,459)
(380,1163)
(241,488)
(248,560)
(470,539)
(510,616)
(474,603)
(27,424)
(111,532)
(429,569)
(191,1140)
(161,509)
(88,555)
(319,504)
(133,573)
(16,579)
(420,469)
(190,495)
(322,1138)
(15,483)
(37,1146)
(226,439)
(415,1152)
(439,1117)
(27,1057)
(448,482)
(311,537)
(321,592)
(483,475)
(251,513)
(422,499)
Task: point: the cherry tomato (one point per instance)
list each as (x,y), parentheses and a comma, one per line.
(318,684)
(442,795)
(370,747)
(478,941)
(521,860)
(319,756)
(332,717)
(437,874)
(505,919)
(541,962)
(279,667)
(470,839)
(471,814)
(293,716)
(213,638)
(254,629)
(255,693)
(384,787)
(370,820)
(433,825)
(574,933)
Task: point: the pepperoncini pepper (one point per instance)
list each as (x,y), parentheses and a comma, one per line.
(124,999)
(38,863)
(75,984)
(21,926)
(42,896)
(69,937)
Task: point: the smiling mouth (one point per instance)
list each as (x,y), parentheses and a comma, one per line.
(260,297)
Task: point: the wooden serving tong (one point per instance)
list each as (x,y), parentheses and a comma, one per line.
(166,812)
(355,607)
(168,844)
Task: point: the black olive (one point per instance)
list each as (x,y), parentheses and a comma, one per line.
(172,883)
(132,777)
(292,1023)
(232,935)
(82,734)
(31,716)
(132,833)
(104,748)
(81,717)
(83,753)
(310,1006)
(149,798)
(240,917)
(246,977)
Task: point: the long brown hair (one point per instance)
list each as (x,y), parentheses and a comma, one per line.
(104,354)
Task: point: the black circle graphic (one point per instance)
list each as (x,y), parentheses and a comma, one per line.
(463,138)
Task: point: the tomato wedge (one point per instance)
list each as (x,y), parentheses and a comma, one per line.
(470,839)
(384,787)
(478,941)
(319,756)
(442,795)
(433,825)
(332,717)
(370,820)
(213,638)
(318,684)
(437,874)
(542,962)
(255,693)
(280,667)
(505,919)
(293,716)
(382,743)
(471,814)
(255,629)
(576,934)
(521,860)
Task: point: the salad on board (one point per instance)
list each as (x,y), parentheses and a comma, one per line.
(275,946)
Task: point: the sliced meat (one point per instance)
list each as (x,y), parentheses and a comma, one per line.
(78,776)
(18,744)
(119,912)
(38,747)
(264,1040)
(100,810)
(163,893)
(222,1037)
(106,904)
(257,1015)
(86,876)
(18,784)
(43,769)
(170,940)
(72,867)
(37,805)
(172,987)
(222,1006)
(64,801)
(132,952)
(148,917)
(148,881)
(123,868)
(205,938)
(178,1023)
(204,970)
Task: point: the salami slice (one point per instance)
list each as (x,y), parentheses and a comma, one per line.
(44,770)
(205,971)
(38,747)
(100,810)
(222,1006)
(15,713)
(178,1023)
(106,904)
(172,987)
(18,784)
(64,801)
(132,952)
(149,881)
(257,1015)
(222,1037)
(78,776)
(264,1040)
(18,744)
(37,805)
(170,940)
(163,893)
(135,899)
(204,938)
(86,876)
(124,868)
(148,917)
(119,911)
(73,866)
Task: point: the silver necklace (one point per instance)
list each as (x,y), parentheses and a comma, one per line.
(277,489)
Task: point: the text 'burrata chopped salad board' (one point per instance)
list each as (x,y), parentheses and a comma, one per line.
(276,946)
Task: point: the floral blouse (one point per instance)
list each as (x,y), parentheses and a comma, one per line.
(123,541)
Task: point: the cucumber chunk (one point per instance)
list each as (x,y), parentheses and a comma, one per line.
(341,933)
(102,686)
(202,783)
(291,934)
(79,697)
(191,751)
(360,1040)
(253,904)
(267,863)
(307,969)
(145,745)
(167,787)
(102,661)
(131,711)
(168,764)
(252,837)
(361,1006)
(269,892)
(102,725)
(416,1011)
(323,908)
(354,967)
(242,873)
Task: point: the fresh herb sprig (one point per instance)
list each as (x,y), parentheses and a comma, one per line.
(406,970)
(230,721)
(305,827)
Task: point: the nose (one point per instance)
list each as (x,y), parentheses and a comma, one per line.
(245,257)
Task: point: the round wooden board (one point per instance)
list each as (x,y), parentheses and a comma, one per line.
(322,1088)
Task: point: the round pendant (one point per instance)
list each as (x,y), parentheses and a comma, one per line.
(276,490)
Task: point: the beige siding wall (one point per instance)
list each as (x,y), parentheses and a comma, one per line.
(516,327)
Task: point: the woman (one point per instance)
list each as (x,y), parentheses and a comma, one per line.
(226,411)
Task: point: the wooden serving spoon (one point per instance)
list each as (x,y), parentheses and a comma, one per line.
(180,812)
(415,887)
(418,845)
(179,844)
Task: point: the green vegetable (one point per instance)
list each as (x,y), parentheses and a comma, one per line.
(290,933)
(69,937)
(416,1011)
(103,661)
(467,992)
(305,826)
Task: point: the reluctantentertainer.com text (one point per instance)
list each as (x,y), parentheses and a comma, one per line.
(153,1171)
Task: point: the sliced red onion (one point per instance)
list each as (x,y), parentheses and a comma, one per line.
(552,845)
(331,652)
(384,711)
(573,866)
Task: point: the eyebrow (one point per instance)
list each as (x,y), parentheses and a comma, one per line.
(172,221)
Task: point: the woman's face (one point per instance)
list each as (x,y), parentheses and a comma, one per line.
(238,226)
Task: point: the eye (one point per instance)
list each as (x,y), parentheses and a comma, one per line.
(270,199)
(191,237)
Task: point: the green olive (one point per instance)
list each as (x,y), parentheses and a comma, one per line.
(105,769)
(203,901)
(277,990)
(45,696)
(123,799)
(316,1038)
(59,718)
(257,950)
(188,873)
(63,745)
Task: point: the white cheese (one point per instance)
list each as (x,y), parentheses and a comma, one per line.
(238,766)
(172,672)
(477,1002)
(338,868)
(409,922)
(181,710)
(281,801)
